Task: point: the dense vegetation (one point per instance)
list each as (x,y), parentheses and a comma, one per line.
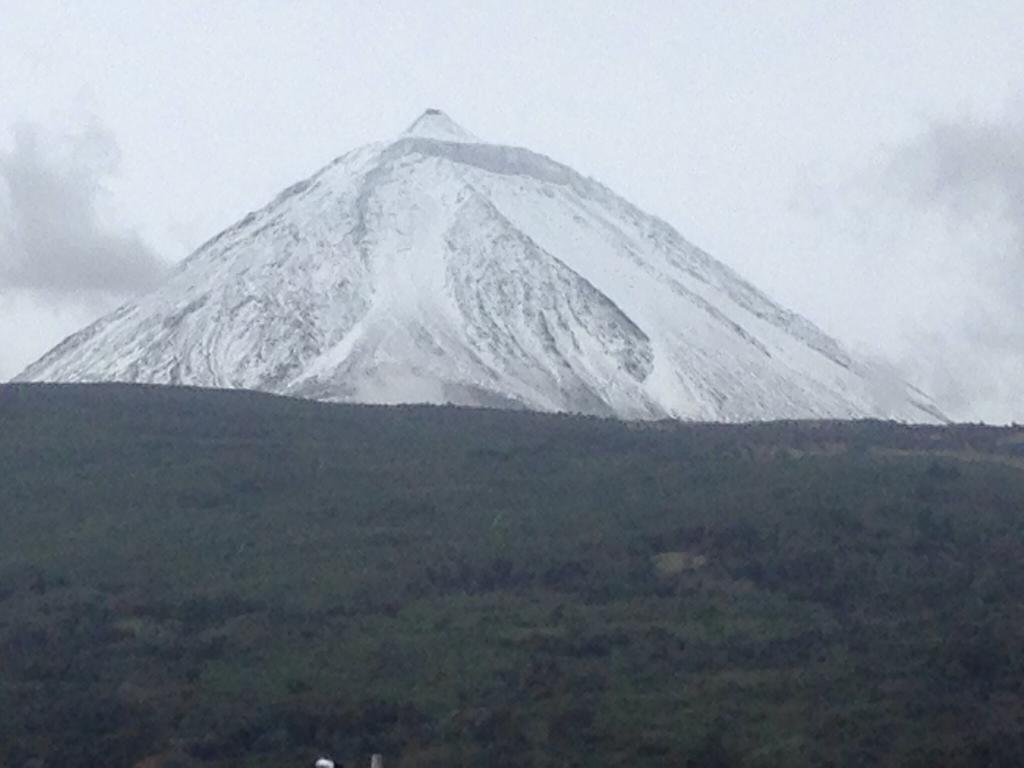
(196,578)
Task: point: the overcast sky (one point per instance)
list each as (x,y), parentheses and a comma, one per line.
(862,162)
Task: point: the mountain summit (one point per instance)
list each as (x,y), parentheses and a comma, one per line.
(440,268)
(435,124)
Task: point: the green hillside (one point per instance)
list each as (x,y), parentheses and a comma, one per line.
(200,578)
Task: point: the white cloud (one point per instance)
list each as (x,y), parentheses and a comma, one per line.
(54,241)
(932,238)
(62,264)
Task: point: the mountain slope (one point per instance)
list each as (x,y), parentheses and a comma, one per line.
(437,268)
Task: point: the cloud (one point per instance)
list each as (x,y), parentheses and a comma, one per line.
(62,262)
(53,240)
(28,327)
(961,185)
(919,250)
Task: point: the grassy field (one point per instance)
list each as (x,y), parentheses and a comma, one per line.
(205,578)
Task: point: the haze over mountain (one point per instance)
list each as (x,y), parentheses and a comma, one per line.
(439,268)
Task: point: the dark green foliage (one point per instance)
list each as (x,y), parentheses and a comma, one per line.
(226,578)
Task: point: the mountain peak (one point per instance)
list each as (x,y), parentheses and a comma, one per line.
(442,270)
(435,124)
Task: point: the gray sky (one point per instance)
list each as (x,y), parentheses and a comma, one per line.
(862,162)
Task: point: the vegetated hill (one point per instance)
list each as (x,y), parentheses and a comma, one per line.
(437,267)
(218,578)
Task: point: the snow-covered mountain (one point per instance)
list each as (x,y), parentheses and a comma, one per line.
(439,268)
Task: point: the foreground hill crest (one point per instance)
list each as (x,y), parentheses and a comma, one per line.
(439,268)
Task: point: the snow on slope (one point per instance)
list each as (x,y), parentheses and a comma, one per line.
(438,268)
